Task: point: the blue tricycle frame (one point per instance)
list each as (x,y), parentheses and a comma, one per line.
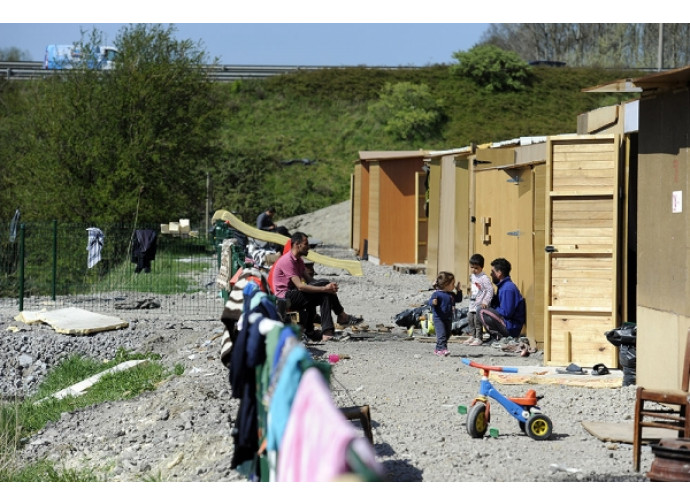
(524,409)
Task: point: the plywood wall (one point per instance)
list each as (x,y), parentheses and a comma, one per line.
(374,211)
(432,268)
(663,237)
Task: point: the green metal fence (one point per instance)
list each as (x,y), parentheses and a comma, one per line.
(46,264)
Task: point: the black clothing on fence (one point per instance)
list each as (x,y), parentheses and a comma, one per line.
(143,249)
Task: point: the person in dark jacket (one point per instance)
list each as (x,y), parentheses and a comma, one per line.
(264,222)
(506,315)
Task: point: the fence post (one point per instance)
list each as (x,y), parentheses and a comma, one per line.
(54,257)
(22,226)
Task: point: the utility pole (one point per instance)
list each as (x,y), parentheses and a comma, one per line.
(660,52)
(208,185)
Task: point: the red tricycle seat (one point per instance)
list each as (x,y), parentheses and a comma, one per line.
(529,399)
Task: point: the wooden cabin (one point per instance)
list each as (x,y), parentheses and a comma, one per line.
(663,228)
(387,192)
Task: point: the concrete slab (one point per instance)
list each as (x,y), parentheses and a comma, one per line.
(73,320)
(622,432)
(546,375)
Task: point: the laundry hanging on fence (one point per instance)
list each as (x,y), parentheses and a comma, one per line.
(13,226)
(143,249)
(95,244)
(268,364)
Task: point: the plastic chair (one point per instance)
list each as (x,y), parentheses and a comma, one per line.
(664,409)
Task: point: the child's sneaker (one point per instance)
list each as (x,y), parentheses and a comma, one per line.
(442,353)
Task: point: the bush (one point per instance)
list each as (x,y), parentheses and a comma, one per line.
(408,111)
(493,68)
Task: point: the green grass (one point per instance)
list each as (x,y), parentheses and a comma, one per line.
(324,116)
(20,420)
(171,273)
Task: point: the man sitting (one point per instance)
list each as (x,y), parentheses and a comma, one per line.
(292,282)
(264,222)
(506,316)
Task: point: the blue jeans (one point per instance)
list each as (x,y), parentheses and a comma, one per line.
(442,328)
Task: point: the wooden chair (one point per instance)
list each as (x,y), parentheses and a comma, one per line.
(362,414)
(664,409)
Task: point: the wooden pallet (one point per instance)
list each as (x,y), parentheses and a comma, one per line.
(411,269)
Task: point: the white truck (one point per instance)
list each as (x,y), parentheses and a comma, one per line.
(61,57)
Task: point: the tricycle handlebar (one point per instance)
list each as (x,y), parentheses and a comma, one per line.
(489,368)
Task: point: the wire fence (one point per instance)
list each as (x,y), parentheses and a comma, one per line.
(109,268)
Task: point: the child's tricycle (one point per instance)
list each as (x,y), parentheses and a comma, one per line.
(530,418)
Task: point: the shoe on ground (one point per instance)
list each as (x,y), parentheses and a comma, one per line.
(314,335)
(442,353)
(476,342)
(351,320)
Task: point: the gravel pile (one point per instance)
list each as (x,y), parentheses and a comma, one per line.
(181,430)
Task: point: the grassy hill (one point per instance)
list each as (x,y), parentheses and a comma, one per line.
(322,117)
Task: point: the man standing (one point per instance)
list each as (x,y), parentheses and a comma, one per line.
(264,222)
(506,314)
(292,282)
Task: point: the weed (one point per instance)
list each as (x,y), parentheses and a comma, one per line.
(19,420)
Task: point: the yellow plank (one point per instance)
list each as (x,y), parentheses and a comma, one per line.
(579,192)
(584,167)
(352,267)
(598,146)
(604,204)
(561,157)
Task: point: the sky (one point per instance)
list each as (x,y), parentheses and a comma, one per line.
(301,32)
(321,44)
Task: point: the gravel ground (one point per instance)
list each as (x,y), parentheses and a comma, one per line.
(181,430)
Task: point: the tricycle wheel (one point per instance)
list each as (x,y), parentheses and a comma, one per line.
(539,427)
(476,420)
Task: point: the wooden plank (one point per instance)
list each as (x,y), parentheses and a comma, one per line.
(586,168)
(577,146)
(580,193)
(589,344)
(601,204)
(581,225)
(580,214)
(585,263)
(569,156)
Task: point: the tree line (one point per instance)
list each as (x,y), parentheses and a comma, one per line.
(127,145)
(138,144)
(609,45)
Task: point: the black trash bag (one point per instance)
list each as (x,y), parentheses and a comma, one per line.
(627,356)
(460,322)
(623,335)
(629,376)
(412,316)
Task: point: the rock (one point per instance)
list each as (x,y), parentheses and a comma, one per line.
(181,430)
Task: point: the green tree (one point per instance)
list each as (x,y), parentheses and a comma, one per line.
(129,144)
(408,111)
(493,68)
(13,54)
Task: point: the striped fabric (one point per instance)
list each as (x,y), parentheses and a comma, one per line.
(96,238)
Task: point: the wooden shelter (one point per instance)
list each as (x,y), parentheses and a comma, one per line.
(562,209)
(387,198)
(448,215)
(507,217)
(663,230)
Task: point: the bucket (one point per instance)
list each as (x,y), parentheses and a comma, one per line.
(671,460)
